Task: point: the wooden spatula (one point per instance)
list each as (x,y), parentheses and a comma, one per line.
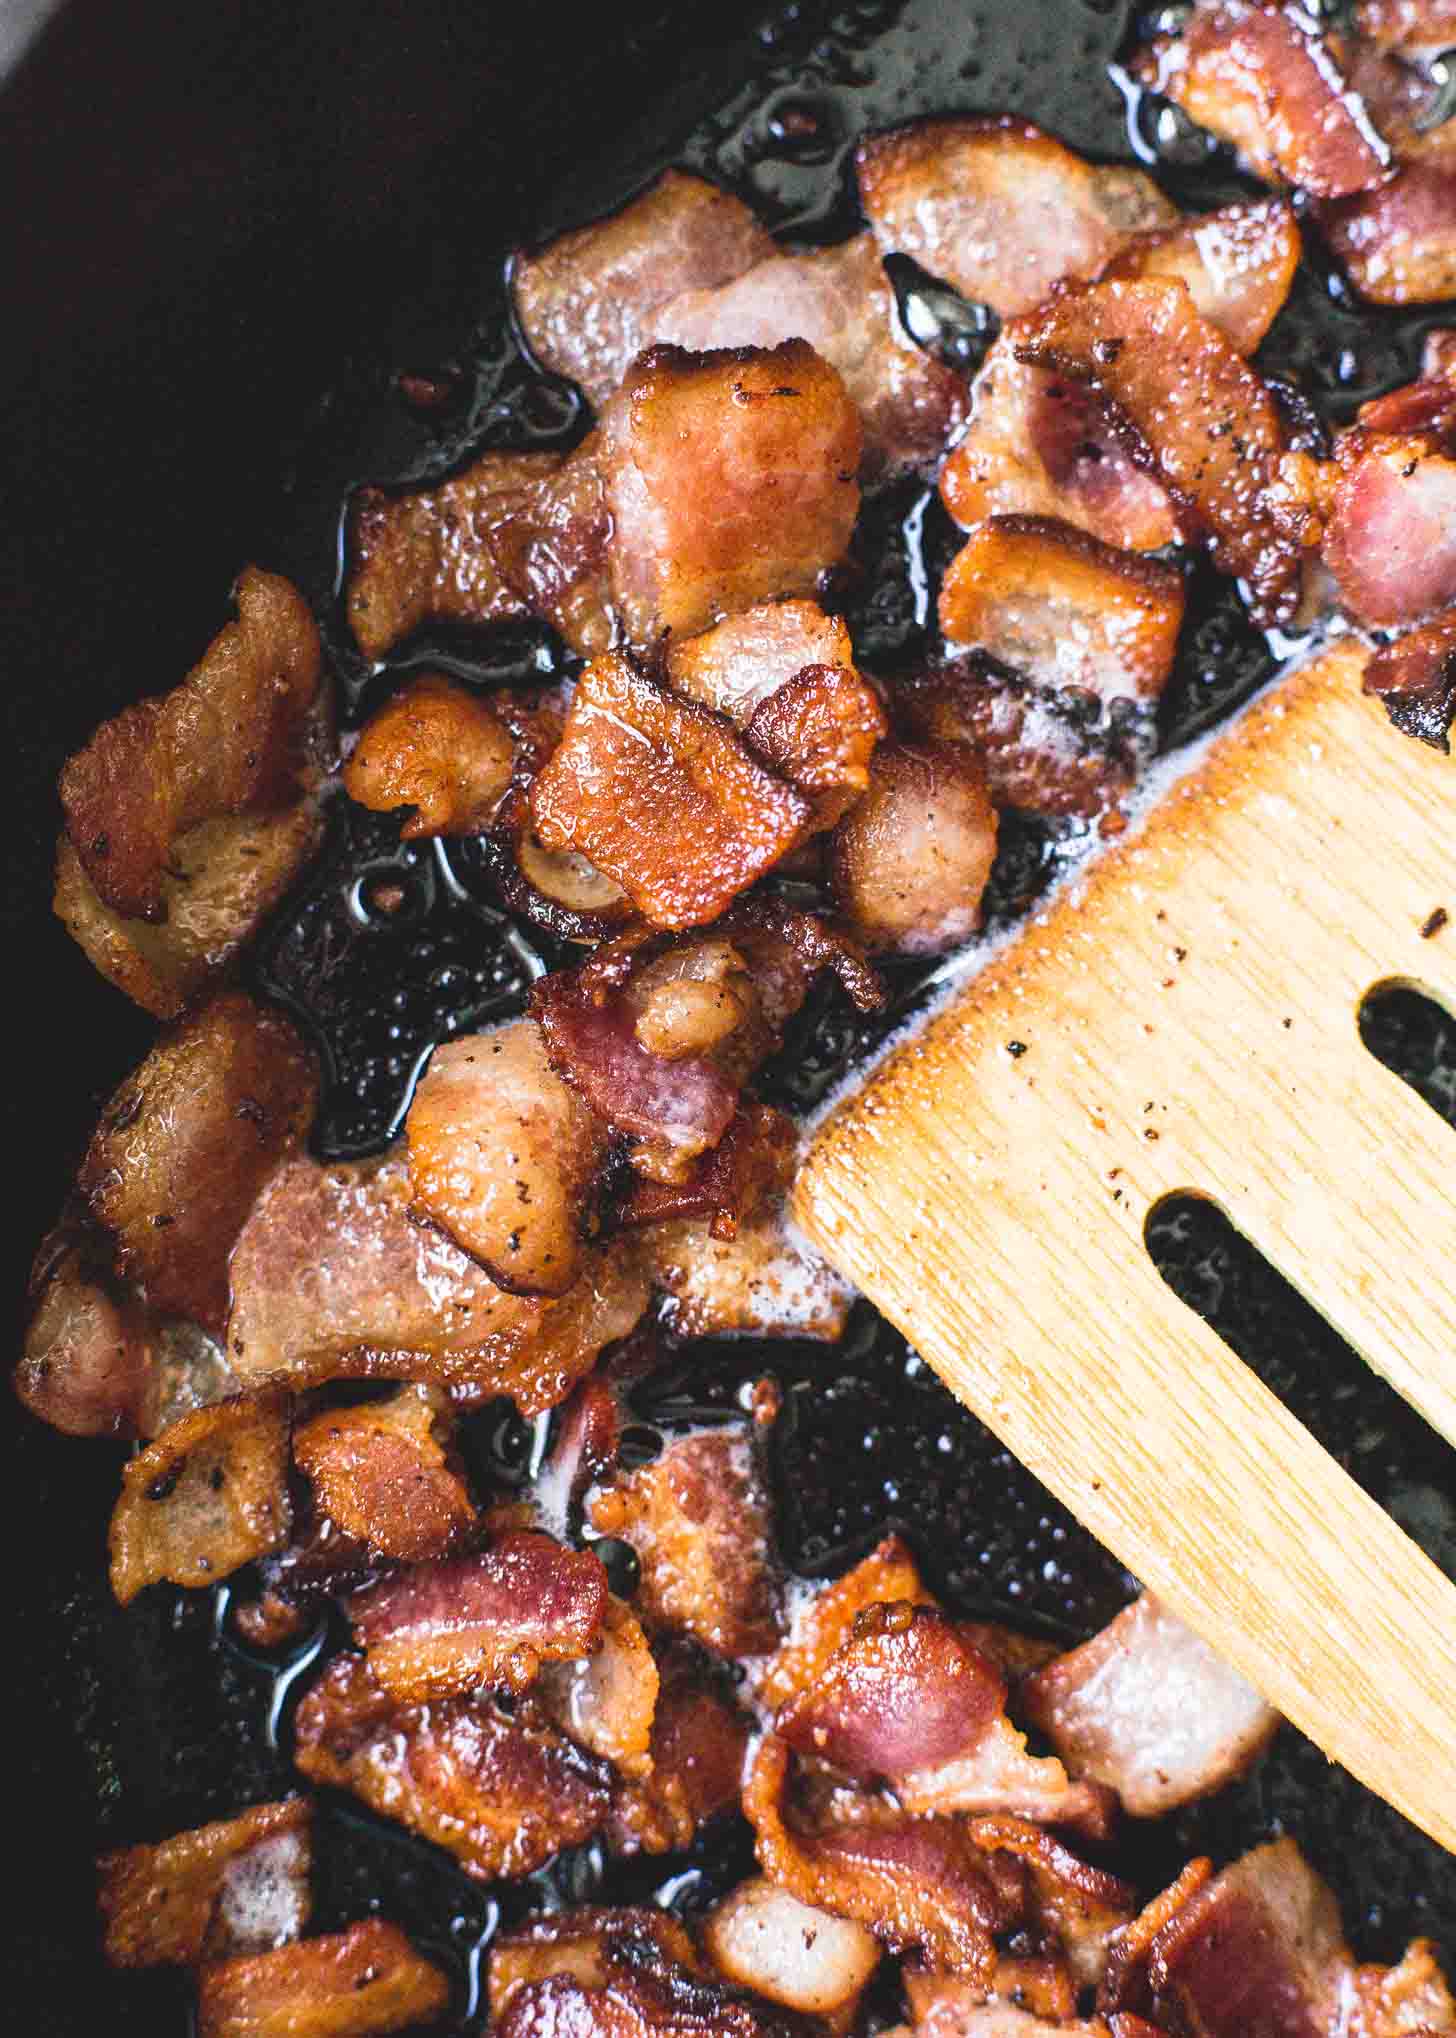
(1184,1019)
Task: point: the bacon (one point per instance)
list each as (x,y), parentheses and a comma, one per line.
(998,209)
(1390,539)
(749,1167)
(384,1471)
(1200,417)
(764,1939)
(730,478)
(644,1995)
(1082,1908)
(353,1984)
(1063,609)
(584,1943)
(1408,26)
(1043,444)
(1399,2002)
(758,1283)
(586,301)
(1398,243)
(1236,264)
(1148,1708)
(910,861)
(89,1362)
(607,1701)
(737,665)
(1415,679)
(240,1885)
(695,1771)
(699,1519)
(840,301)
(556,889)
(443,1629)
(820,730)
(207,1497)
(501,1795)
(436,748)
(1260,77)
(821,1626)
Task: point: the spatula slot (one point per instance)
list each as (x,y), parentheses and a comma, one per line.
(1414,1035)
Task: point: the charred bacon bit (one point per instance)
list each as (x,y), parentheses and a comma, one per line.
(586,301)
(207,1497)
(1390,539)
(354,1984)
(820,730)
(887,1574)
(501,1795)
(437,748)
(910,861)
(89,1362)
(1080,1906)
(730,479)
(1149,1709)
(503,1156)
(998,209)
(1262,78)
(1202,418)
(237,1886)
(1064,609)
(738,664)
(187,1142)
(384,1472)
(748,1169)
(1043,444)
(699,1519)
(584,1944)
(1398,243)
(663,796)
(1415,680)
(1408,26)
(764,1939)
(1237,265)
(607,1701)
(839,300)
(699,1740)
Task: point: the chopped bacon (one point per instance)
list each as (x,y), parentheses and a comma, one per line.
(207,1497)
(1237,265)
(607,1701)
(998,209)
(502,1795)
(762,1938)
(583,1943)
(910,860)
(435,747)
(1415,680)
(820,730)
(699,1519)
(321,1562)
(1408,2000)
(1408,25)
(1063,609)
(699,1740)
(959,2011)
(1081,1906)
(385,1473)
(751,1165)
(1200,416)
(89,1361)
(821,1625)
(365,1981)
(730,479)
(1390,538)
(1261,77)
(586,301)
(839,300)
(550,546)
(1148,1708)
(1044,444)
(1398,243)
(739,663)
(644,1993)
(1027,1989)
(462,1624)
(556,888)
(240,1885)
(761,1282)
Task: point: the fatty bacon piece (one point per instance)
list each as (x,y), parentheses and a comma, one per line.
(607,1701)
(645,1990)
(1148,1709)
(1196,413)
(755,1282)
(438,748)
(889,1574)
(1261,77)
(385,1473)
(1390,530)
(1236,264)
(1398,242)
(910,860)
(584,1943)
(1408,27)
(89,1363)
(359,1983)
(694,1766)
(1414,679)
(998,209)
(1079,1909)
(187,817)
(743,661)
(237,1886)
(762,1938)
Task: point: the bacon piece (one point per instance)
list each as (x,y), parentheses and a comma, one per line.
(1400,2002)
(1083,1908)
(353,1984)
(759,1283)
(738,664)
(819,1627)
(1043,444)
(820,730)
(586,300)
(910,861)
(385,1473)
(1398,243)
(764,1939)
(1390,539)
(644,1994)
(88,1366)
(1236,264)
(1408,26)
(240,1885)
(1064,609)
(1262,78)
(207,1497)
(1415,680)
(584,1943)
(440,1630)
(504,1156)
(695,1771)
(437,748)
(556,889)
(1033,1993)
(839,300)
(749,1168)
(699,1519)
(1201,418)
(730,479)
(1148,1708)
(606,1701)
(501,1795)
(998,209)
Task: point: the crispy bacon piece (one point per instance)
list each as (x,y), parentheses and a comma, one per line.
(910,861)
(1202,419)
(888,1573)
(1390,538)
(730,478)
(1236,264)
(586,300)
(1082,1907)
(385,1473)
(1064,609)
(1044,444)
(839,300)
(998,209)
(353,1984)
(551,548)
(699,1519)
(187,1142)
(644,1993)
(1399,2002)
(606,1701)
(1398,243)
(240,1885)
(748,1169)
(501,1795)
(699,1740)
(555,888)
(207,1497)
(437,748)
(1148,1708)
(89,1362)
(820,730)
(584,1944)
(1409,26)
(1415,680)
(758,1283)
(739,663)
(764,1939)
(1262,78)
(1031,1994)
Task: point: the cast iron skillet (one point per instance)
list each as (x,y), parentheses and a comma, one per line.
(223,213)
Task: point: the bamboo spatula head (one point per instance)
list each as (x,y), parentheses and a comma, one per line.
(1185,1019)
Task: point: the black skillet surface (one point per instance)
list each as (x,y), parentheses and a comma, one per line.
(223,216)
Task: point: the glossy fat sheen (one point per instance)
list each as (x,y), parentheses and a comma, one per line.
(911,860)
(351,1984)
(764,1939)
(435,747)
(1237,265)
(737,664)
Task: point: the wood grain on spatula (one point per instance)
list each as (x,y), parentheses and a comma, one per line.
(1185,1019)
